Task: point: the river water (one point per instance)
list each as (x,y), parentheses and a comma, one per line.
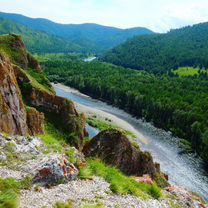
(185,170)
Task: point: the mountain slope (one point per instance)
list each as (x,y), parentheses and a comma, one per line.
(92,37)
(187,46)
(27,97)
(37,41)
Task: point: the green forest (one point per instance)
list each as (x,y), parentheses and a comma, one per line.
(161,53)
(45,36)
(174,103)
(38,41)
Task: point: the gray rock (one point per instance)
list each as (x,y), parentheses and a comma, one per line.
(3,157)
(2,141)
(51,169)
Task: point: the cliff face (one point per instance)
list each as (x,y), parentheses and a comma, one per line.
(18,82)
(12,111)
(35,121)
(63,110)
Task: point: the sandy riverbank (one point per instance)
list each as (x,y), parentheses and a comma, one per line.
(89,111)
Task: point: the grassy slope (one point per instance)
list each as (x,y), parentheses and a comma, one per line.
(119,183)
(37,80)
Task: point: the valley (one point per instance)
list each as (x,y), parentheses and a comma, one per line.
(95,116)
(181,168)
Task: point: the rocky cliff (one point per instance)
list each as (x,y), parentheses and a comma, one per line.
(22,86)
(12,111)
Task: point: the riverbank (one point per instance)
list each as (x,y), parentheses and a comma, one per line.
(185,170)
(102,115)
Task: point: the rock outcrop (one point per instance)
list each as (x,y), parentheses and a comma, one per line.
(18,53)
(12,111)
(69,119)
(17,83)
(35,121)
(115,149)
(27,154)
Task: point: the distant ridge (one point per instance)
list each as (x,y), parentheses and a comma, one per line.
(92,37)
(37,41)
(160,53)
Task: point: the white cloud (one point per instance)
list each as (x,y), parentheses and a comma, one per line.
(158,15)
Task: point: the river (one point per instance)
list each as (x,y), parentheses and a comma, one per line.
(184,170)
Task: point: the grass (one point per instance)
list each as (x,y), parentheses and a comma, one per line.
(97,205)
(107,124)
(5,45)
(119,183)
(53,138)
(56,141)
(189,71)
(41,79)
(68,204)
(37,83)
(10,190)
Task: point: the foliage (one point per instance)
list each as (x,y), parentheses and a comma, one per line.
(10,190)
(37,41)
(104,125)
(176,104)
(189,71)
(40,78)
(37,80)
(57,141)
(186,146)
(119,183)
(59,56)
(53,138)
(160,53)
(6,45)
(85,37)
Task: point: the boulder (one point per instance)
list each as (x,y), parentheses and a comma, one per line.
(115,149)
(54,169)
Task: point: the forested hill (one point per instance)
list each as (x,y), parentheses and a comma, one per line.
(37,41)
(187,46)
(176,104)
(92,37)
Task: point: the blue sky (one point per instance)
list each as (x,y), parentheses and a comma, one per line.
(158,15)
